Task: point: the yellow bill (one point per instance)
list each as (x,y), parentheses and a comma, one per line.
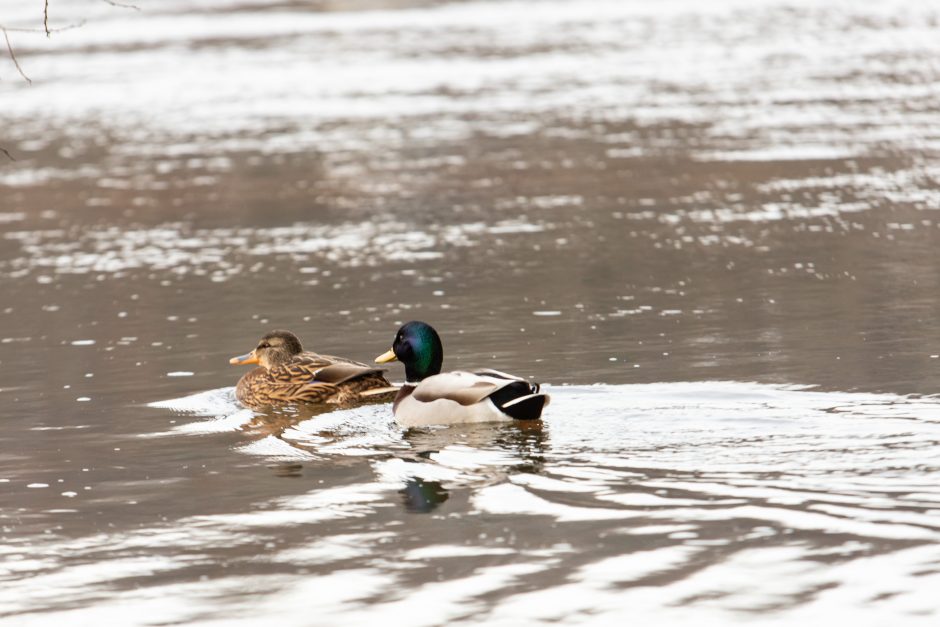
(386,357)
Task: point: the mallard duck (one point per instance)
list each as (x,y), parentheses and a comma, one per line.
(287,374)
(433,398)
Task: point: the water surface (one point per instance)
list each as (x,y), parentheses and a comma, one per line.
(709,228)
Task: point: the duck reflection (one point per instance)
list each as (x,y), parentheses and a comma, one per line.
(442,459)
(274,420)
(529,439)
(523,442)
(287,469)
(478,455)
(421,497)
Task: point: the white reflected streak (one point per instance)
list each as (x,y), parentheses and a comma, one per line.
(508,499)
(332,549)
(796,519)
(274,448)
(399,470)
(352,501)
(224,253)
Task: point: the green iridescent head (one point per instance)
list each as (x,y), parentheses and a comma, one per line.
(418,346)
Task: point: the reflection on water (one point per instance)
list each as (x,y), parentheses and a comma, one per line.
(423,496)
(626,193)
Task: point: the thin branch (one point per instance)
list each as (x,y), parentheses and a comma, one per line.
(45,18)
(7,153)
(13,56)
(119,4)
(40,30)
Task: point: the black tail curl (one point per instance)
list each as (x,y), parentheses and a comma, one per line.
(520,400)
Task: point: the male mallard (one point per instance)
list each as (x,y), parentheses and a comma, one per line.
(287,374)
(432,398)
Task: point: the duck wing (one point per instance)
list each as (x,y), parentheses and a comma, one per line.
(465,388)
(336,374)
(325,374)
(332,359)
(314,368)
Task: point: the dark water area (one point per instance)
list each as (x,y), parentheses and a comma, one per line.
(710,229)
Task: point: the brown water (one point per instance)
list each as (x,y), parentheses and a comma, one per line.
(710,227)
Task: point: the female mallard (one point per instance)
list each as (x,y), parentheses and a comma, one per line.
(287,374)
(432,398)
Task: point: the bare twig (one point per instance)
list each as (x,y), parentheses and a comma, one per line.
(13,56)
(120,4)
(40,30)
(48,31)
(7,153)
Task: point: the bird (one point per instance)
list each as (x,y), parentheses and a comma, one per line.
(288,374)
(430,397)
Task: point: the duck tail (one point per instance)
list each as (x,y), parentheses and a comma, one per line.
(528,407)
(521,400)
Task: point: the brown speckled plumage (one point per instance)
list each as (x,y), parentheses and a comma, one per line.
(287,375)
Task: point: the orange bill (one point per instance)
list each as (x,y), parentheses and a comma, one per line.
(243,360)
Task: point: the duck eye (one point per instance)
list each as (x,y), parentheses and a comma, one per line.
(264,345)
